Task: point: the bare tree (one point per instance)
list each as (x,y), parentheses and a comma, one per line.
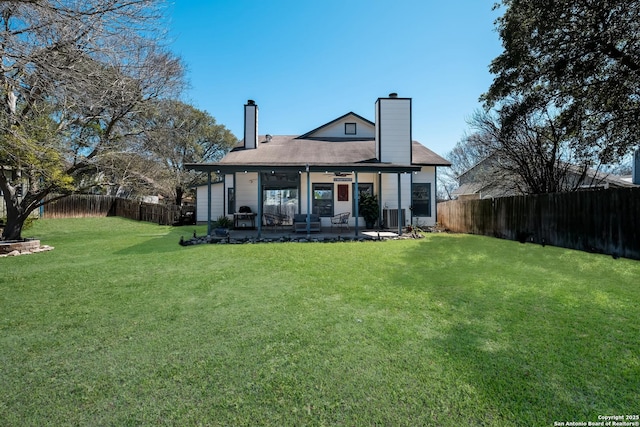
(530,151)
(473,148)
(74,74)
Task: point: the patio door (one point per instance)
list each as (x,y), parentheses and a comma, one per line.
(280,194)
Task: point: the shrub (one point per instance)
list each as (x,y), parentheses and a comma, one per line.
(223,222)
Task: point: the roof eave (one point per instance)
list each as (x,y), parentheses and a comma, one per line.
(334,167)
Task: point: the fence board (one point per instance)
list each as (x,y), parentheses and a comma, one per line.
(88,205)
(605,221)
(79,206)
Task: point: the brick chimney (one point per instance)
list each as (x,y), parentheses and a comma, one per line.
(393,129)
(250,125)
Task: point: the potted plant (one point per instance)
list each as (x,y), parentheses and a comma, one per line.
(222,226)
(369,209)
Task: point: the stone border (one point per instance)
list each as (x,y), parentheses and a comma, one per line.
(284,239)
(25,247)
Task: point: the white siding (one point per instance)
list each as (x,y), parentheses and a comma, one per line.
(390,191)
(247,190)
(337,130)
(217,202)
(393,130)
(250,126)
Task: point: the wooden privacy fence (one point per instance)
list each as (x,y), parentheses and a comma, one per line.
(87,205)
(79,206)
(604,221)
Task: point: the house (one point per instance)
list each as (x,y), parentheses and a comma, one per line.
(324,171)
(484,180)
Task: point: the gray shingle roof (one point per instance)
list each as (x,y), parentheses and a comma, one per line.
(292,150)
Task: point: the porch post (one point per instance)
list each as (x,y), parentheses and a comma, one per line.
(435,192)
(308,202)
(380,196)
(259,218)
(209,203)
(356,200)
(224,194)
(399,204)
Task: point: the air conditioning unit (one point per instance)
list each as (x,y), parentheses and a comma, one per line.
(390,218)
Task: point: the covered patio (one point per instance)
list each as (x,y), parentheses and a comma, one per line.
(308,172)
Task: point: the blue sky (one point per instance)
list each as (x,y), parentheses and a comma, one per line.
(306,62)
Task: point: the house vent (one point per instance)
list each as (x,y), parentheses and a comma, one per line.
(393,95)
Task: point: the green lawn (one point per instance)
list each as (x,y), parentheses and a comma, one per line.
(119,325)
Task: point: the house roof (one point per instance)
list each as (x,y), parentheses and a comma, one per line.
(292,150)
(425,157)
(325,148)
(330,154)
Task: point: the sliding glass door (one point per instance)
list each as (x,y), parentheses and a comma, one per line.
(280,195)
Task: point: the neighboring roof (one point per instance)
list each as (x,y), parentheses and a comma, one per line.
(593,179)
(468,188)
(611,179)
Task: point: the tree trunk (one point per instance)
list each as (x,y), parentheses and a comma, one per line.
(13,229)
(16,214)
(179,194)
(15,218)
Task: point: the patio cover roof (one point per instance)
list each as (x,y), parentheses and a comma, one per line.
(222,168)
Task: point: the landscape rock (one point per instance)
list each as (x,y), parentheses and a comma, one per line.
(36,250)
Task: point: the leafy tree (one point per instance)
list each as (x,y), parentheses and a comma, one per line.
(579,62)
(74,75)
(165,135)
(179,133)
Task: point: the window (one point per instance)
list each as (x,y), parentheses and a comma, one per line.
(231,200)
(322,199)
(363,188)
(349,128)
(421,199)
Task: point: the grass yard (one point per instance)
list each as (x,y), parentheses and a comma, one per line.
(119,325)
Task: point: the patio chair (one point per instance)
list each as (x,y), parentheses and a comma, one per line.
(340,220)
(273,220)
